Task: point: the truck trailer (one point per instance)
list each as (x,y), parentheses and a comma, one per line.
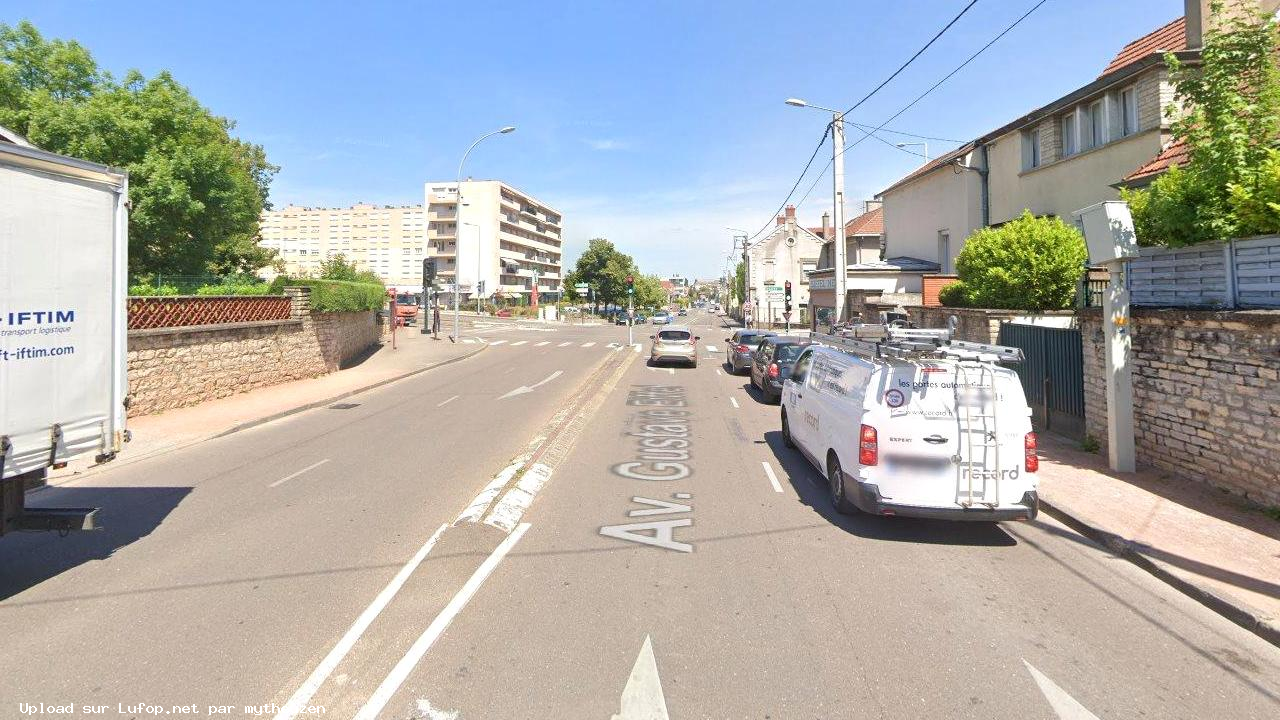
(63,324)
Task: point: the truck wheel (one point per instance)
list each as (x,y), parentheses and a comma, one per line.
(786,432)
(835,478)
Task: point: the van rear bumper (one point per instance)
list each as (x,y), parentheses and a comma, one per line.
(867,497)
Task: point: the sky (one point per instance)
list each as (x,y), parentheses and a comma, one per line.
(657,124)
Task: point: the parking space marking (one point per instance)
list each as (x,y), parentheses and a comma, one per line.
(446,402)
(773,479)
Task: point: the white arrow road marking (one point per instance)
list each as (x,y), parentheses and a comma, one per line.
(773,479)
(642,698)
(530,388)
(308,689)
(287,478)
(401,671)
(446,402)
(1064,706)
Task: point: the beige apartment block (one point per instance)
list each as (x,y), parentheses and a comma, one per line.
(389,240)
(508,238)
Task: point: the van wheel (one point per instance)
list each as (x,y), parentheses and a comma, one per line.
(835,479)
(786,432)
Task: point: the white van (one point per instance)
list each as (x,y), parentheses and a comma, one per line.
(916,425)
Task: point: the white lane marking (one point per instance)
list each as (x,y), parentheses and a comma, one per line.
(544,342)
(484,499)
(637,347)
(1064,706)
(508,511)
(565,343)
(718,372)
(374,706)
(586,345)
(671,371)
(642,698)
(287,478)
(427,712)
(497,342)
(446,402)
(773,479)
(733,401)
(304,693)
(530,388)
(516,344)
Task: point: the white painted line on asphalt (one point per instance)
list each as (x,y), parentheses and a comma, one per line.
(446,402)
(773,479)
(718,372)
(304,693)
(1064,706)
(671,371)
(497,342)
(544,342)
(374,706)
(733,401)
(515,344)
(508,511)
(637,347)
(642,698)
(287,478)
(565,343)
(586,345)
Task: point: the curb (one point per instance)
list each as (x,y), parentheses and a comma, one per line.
(97,468)
(1233,610)
(341,396)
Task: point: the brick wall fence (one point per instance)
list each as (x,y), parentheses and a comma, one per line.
(973,325)
(1205,392)
(173,367)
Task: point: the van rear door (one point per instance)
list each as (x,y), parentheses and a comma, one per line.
(911,405)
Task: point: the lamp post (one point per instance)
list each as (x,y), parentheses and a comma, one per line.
(457,236)
(837,191)
(924,145)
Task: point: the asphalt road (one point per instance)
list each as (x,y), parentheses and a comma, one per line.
(352,559)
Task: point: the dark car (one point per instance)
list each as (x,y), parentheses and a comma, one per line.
(772,362)
(739,348)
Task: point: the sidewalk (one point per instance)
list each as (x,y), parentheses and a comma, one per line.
(1205,543)
(167,431)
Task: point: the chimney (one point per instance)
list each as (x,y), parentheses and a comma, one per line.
(826,226)
(870,205)
(791,213)
(1197,13)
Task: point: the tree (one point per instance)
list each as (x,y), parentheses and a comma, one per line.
(740,282)
(1030,264)
(1230,125)
(649,292)
(337,267)
(605,269)
(196,192)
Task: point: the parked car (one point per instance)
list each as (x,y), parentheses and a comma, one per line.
(504,312)
(914,435)
(740,346)
(640,319)
(675,342)
(661,318)
(772,363)
(620,319)
(682,312)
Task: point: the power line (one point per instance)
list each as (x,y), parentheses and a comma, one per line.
(861,126)
(913,57)
(823,141)
(924,94)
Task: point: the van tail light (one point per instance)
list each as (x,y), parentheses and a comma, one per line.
(773,370)
(868,447)
(742,348)
(1029,447)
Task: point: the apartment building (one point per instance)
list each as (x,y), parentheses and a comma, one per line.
(508,239)
(389,240)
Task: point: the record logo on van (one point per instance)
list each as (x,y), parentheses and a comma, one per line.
(894,398)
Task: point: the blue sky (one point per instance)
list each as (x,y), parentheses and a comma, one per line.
(653,123)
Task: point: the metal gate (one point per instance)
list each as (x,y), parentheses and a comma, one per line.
(1052,375)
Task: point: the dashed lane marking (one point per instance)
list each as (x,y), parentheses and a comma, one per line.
(773,479)
(287,478)
(446,402)
(587,345)
(497,342)
(521,342)
(544,342)
(733,401)
(566,343)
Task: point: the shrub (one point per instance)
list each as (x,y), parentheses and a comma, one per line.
(955,294)
(149,290)
(235,289)
(1028,264)
(337,295)
(1257,203)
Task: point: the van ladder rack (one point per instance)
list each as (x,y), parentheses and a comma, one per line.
(882,341)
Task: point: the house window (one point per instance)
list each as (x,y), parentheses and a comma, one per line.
(1095,125)
(944,251)
(1128,112)
(1070,146)
(1031,149)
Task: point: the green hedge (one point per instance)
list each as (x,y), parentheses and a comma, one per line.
(235,289)
(337,295)
(149,290)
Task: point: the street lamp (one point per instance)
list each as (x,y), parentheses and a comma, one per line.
(457,235)
(925,145)
(837,191)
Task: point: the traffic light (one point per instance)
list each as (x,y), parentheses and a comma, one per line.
(786,295)
(631,285)
(428,271)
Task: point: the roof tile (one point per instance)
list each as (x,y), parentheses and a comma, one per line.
(1177,153)
(1170,38)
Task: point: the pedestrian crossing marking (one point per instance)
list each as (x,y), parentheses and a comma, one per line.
(565,343)
(544,342)
(586,345)
(497,342)
(514,344)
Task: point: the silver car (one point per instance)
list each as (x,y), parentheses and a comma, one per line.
(674,342)
(739,347)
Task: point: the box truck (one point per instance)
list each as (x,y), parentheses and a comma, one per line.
(63,324)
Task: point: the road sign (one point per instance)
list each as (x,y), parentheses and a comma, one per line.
(582,286)
(774,292)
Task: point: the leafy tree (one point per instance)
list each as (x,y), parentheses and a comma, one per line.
(605,269)
(1030,263)
(196,192)
(649,292)
(1230,125)
(337,267)
(740,282)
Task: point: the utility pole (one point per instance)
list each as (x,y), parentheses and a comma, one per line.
(837,181)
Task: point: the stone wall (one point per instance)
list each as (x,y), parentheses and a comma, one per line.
(176,367)
(1206,395)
